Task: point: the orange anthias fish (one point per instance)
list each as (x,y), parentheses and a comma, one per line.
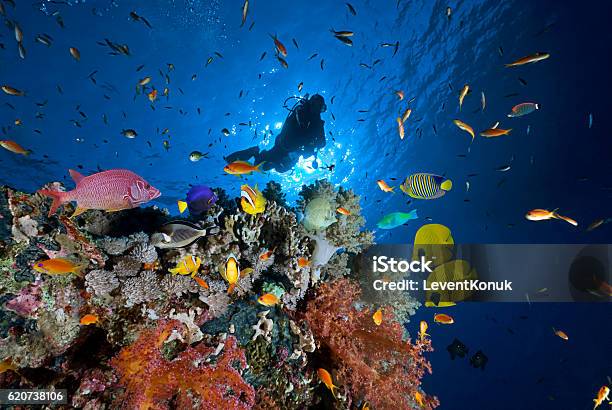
(444,319)
(384,186)
(343,211)
(280,47)
(602,395)
(406,114)
(561,334)
(201,282)
(57,266)
(241,168)
(268,299)
(266,255)
(89,319)
(544,214)
(465,127)
(152,95)
(423,329)
(14,147)
(377,317)
(539,56)
(418,397)
(12,91)
(400,128)
(326,378)
(462,94)
(400,94)
(75,53)
(303,262)
(495,132)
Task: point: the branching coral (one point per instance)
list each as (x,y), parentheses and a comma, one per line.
(151,381)
(374,363)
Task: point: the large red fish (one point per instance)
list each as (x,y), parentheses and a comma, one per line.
(111,190)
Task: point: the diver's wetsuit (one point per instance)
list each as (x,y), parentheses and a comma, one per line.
(302,134)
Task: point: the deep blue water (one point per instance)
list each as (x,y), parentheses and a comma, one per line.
(561,162)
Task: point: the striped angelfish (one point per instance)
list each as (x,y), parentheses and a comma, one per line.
(426,186)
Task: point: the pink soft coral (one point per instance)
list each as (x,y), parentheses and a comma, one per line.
(374,363)
(151,381)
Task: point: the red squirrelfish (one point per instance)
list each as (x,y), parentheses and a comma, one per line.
(112,190)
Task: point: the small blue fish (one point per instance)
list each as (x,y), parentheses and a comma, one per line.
(590,120)
(395,219)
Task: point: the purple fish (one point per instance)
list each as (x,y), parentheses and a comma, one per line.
(200,198)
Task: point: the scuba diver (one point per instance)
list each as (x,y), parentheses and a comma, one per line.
(302,134)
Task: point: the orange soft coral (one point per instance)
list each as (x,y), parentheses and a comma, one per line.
(151,381)
(373,362)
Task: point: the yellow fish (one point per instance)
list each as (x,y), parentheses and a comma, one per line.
(602,394)
(57,266)
(231,272)
(423,329)
(268,299)
(327,380)
(462,94)
(400,128)
(463,126)
(189,265)
(418,397)
(182,206)
(252,200)
(406,114)
(377,317)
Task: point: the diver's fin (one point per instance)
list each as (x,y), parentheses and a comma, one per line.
(78,211)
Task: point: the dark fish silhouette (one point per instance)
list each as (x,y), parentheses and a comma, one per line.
(457,348)
(479,360)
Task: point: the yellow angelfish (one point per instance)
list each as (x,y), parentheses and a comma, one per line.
(189,265)
(252,200)
(231,272)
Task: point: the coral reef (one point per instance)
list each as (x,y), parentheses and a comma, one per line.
(161,340)
(152,380)
(373,363)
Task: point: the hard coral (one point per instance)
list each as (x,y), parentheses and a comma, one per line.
(151,381)
(374,363)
